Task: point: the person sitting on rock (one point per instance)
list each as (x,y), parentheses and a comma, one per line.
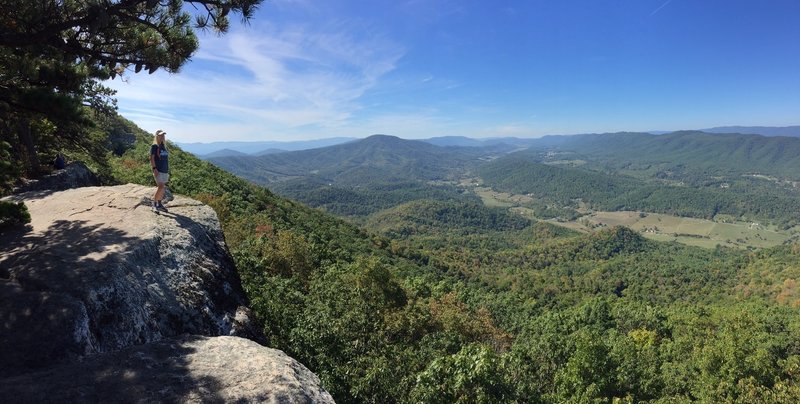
(159,161)
(59,162)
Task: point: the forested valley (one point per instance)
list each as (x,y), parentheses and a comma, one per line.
(431,296)
(395,269)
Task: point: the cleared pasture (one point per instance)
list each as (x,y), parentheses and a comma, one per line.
(655,226)
(699,232)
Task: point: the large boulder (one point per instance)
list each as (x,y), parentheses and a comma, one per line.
(97,271)
(74,175)
(187,369)
(103,300)
(120,140)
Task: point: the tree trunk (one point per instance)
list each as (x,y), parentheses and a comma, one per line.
(26,139)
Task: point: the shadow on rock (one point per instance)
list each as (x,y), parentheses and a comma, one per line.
(155,372)
(184,369)
(103,301)
(44,275)
(112,277)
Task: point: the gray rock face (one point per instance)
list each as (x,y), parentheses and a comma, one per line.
(102,300)
(119,141)
(96,271)
(187,369)
(74,175)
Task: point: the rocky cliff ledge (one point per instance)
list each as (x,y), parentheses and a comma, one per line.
(103,300)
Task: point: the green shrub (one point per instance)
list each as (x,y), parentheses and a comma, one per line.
(8,170)
(13,214)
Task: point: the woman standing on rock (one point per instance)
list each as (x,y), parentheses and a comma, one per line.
(159,161)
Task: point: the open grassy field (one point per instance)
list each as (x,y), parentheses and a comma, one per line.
(493,198)
(571,163)
(656,226)
(699,232)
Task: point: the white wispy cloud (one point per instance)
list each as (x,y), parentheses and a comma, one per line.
(660,7)
(266,79)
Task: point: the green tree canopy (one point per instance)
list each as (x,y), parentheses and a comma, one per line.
(54,53)
(116,33)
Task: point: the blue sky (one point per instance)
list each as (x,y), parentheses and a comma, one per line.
(307,69)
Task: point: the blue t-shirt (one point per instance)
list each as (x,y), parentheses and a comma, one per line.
(161,157)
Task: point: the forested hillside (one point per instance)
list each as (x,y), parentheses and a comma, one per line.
(471,304)
(436,217)
(789,131)
(700,196)
(453,301)
(372,197)
(362,177)
(711,154)
(691,174)
(564,185)
(439,298)
(376,158)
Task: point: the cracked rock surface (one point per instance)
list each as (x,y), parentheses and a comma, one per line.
(185,369)
(102,300)
(97,271)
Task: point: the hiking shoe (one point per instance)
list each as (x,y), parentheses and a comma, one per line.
(154,207)
(161,207)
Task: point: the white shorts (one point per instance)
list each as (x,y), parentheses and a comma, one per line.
(162,178)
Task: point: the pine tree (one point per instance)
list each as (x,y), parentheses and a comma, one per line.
(53,56)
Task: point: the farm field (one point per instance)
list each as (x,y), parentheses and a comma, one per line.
(655,226)
(698,232)
(493,198)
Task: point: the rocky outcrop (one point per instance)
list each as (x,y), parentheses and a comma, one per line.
(74,175)
(119,140)
(97,272)
(188,369)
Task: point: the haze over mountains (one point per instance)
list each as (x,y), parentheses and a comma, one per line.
(438,157)
(693,149)
(791,131)
(224,149)
(353,162)
(689,174)
(230,148)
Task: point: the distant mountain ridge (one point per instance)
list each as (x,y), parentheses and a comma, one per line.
(223,149)
(224,153)
(361,177)
(381,157)
(378,157)
(446,141)
(790,131)
(203,149)
(268,151)
(740,153)
(463,141)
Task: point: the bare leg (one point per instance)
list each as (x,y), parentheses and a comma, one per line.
(159,193)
